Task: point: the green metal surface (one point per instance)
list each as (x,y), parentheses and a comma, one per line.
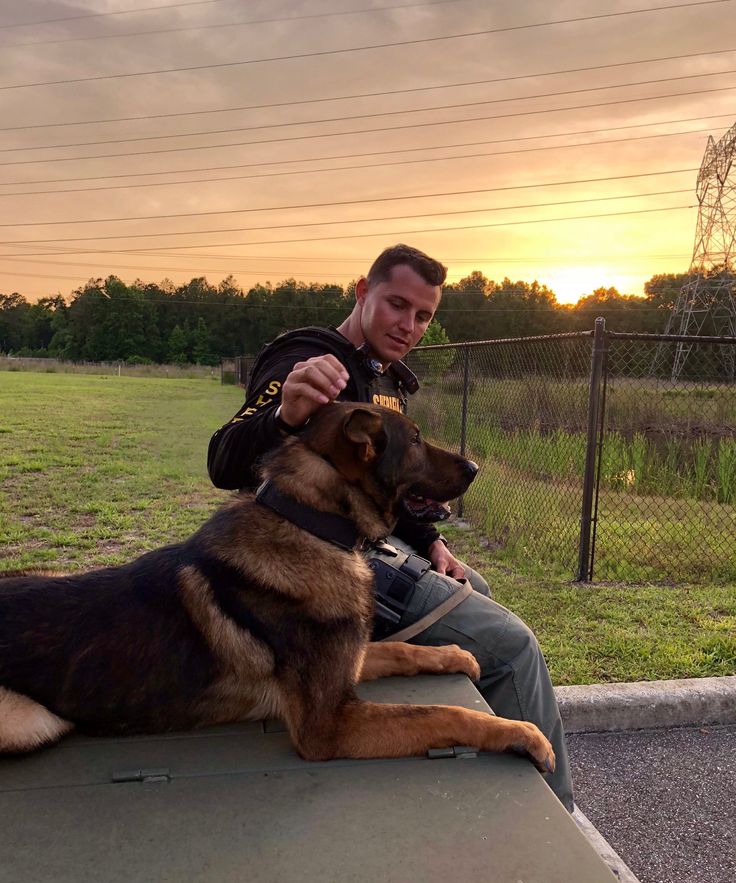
(236,804)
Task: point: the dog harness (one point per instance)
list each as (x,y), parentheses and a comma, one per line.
(396,574)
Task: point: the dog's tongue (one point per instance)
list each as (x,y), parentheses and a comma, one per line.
(424,510)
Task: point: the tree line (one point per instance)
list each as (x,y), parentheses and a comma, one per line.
(107,320)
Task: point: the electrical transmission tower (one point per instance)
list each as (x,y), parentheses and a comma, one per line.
(706,304)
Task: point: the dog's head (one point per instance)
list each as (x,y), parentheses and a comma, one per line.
(382,452)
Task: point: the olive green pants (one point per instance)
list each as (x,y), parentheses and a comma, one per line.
(514,678)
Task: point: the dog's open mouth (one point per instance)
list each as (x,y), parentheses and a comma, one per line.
(425,510)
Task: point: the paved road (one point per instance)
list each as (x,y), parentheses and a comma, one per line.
(664,799)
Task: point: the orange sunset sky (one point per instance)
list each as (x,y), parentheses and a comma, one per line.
(270,139)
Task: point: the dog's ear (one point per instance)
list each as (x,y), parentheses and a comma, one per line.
(365,430)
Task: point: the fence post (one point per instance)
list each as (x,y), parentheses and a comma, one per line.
(591,448)
(464,416)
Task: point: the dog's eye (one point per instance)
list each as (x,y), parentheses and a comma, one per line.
(416,440)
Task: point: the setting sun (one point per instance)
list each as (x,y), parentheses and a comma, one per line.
(572,283)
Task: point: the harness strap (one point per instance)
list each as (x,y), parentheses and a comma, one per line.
(464,589)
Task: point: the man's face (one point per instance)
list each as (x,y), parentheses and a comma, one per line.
(395,314)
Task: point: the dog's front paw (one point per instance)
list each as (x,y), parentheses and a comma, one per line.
(456,660)
(535,745)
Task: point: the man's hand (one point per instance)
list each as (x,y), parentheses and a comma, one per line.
(444,561)
(310,385)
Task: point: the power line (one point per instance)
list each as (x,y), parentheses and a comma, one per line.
(291,226)
(50,21)
(385,233)
(382,233)
(572,261)
(353,202)
(364,154)
(323,223)
(346,168)
(230,24)
(326,52)
(162,116)
(342,222)
(364,116)
(373,130)
(367,259)
(86,275)
(378,153)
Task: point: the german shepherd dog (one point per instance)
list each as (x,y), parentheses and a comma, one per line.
(251,617)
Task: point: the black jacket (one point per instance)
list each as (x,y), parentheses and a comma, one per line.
(236,449)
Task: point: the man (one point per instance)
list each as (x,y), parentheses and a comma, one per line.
(304,370)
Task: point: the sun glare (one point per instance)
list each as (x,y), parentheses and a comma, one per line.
(571,283)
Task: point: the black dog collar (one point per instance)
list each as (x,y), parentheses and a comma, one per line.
(327,526)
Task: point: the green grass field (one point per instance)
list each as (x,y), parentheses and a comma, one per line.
(96,470)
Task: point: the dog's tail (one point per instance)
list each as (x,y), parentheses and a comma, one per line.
(25,724)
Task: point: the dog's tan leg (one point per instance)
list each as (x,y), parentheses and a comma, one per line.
(368,729)
(397,658)
(26,725)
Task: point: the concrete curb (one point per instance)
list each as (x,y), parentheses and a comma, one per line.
(603,708)
(616,864)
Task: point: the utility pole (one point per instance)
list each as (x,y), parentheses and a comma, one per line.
(706,304)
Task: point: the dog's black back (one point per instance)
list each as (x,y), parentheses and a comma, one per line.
(88,633)
(116,651)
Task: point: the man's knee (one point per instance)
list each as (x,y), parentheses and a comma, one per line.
(477,581)
(521,638)
(500,637)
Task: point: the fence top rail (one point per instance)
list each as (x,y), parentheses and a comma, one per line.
(674,338)
(568,335)
(500,340)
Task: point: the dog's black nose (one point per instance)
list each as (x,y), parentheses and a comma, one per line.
(471,469)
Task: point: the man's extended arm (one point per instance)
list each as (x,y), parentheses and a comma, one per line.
(236,449)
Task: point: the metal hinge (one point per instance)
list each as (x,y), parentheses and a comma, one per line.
(462,752)
(154,775)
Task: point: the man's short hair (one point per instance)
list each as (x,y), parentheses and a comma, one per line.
(432,271)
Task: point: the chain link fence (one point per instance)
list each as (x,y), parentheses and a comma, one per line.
(667,461)
(518,408)
(130,368)
(236,370)
(594,458)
